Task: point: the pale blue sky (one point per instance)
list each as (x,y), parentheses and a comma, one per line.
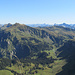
(37,11)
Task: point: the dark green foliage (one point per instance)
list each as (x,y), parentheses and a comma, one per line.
(13,61)
(4,63)
(42,55)
(15,41)
(68,49)
(22,51)
(3,36)
(68,53)
(41,60)
(37,41)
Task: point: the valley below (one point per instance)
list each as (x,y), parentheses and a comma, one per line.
(26,50)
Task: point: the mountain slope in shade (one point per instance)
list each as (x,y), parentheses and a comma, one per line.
(67,51)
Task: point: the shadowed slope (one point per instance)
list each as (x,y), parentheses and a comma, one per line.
(67,51)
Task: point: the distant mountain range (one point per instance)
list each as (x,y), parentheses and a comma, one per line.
(72,26)
(39,25)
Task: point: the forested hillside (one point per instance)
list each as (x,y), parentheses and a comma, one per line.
(37,51)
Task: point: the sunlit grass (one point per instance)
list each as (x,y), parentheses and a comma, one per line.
(5,72)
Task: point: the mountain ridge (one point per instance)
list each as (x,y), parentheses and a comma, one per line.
(72,26)
(51,47)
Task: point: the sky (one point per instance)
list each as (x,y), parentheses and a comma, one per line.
(37,11)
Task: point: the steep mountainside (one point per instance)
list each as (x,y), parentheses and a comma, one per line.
(22,40)
(39,51)
(67,51)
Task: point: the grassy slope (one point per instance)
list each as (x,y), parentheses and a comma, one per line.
(60,67)
(56,67)
(55,31)
(60,31)
(5,72)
